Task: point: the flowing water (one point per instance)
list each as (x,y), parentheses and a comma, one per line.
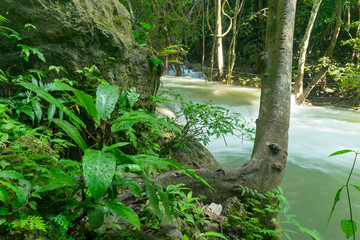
(311,178)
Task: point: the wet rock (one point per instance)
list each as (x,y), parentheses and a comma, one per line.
(77,34)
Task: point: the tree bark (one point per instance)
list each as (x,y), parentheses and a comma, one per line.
(299,83)
(265,169)
(218,33)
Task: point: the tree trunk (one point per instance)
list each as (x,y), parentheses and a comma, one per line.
(328,53)
(265,169)
(131,12)
(218,34)
(298,90)
(232,54)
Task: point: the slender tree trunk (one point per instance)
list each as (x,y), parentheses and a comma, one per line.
(232,54)
(266,168)
(300,98)
(218,34)
(299,83)
(131,12)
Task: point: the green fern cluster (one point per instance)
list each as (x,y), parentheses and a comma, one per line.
(31,222)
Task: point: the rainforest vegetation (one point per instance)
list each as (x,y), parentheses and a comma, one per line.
(85,155)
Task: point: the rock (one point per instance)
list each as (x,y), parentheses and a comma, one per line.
(77,34)
(172,229)
(233,211)
(199,157)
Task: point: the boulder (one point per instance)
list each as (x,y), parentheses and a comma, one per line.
(197,157)
(77,34)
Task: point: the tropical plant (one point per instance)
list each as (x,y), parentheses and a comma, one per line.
(104,160)
(348,226)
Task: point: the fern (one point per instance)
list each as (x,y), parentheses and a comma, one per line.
(30,223)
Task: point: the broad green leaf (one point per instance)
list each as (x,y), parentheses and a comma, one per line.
(336,199)
(349,227)
(341,152)
(3,195)
(96,216)
(21,192)
(185,237)
(125,212)
(152,196)
(116,145)
(84,100)
(72,132)
(106,98)
(11,174)
(99,170)
(59,180)
(48,97)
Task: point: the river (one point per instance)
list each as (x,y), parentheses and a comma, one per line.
(311,177)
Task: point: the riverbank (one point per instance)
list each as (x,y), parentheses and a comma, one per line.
(246,76)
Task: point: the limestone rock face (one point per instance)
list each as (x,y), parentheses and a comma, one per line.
(77,34)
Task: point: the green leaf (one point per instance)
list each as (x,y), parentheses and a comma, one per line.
(132,96)
(336,199)
(214,234)
(341,152)
(84,100)
(37,110)
(99,170)
(3,211)
(48,97)
(125,212)
(312,233)
(33,204)
(116,145)
(349,227)
(11,174)
(59,180)
(153,198)
(51,112)
(106,98)
(133,186)
(72,132)
(3,195)
(165,201)
(357,187)
(96,216)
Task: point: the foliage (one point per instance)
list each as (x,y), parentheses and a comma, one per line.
(204,122)
(346,79)
(348,226)
(259,206)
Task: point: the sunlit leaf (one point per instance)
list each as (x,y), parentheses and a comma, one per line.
(341,152)
(106,98)
(99,170)
(349,227)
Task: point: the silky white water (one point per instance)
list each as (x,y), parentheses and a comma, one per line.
(311,178)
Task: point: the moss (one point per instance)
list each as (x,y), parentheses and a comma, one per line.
(118,20)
